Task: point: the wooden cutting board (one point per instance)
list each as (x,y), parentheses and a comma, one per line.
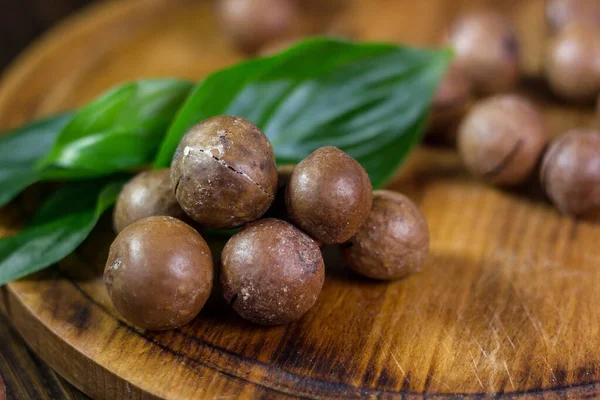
(507,303)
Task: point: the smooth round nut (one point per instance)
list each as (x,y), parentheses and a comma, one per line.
(570,173)
(271,272)
(159,273)
(392,243)
(251,24)
(450,104)
(487,50)
(224,172)
(573,62)
(148,194)
(329,195)
(501,139)
(560,13)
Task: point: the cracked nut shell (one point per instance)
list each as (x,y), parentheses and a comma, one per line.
(570,173)
(271,272)
(159,273)
(148,194)
(487,50)
(224,172)
(560,13)
(392,243)
(573,62)
(329,195)
(251,24)
(501,139)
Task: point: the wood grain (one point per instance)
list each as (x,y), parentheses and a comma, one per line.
(25,375)
(506,305)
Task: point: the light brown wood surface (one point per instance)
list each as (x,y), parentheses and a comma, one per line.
(507,303)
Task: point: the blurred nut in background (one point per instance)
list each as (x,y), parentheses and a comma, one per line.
(251,24)
(450,104)
(501,139)
(573,62)
(487,50)
(560,13)
(148,194)
(393,242)
(570,173)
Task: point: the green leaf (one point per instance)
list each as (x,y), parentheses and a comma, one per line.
(120,130)
(370,100)
(59,226)
(21,150)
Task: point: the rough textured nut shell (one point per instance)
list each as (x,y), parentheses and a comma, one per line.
(501,139)
(272,273)
(487,50)
(329,195)
(224,172)
(573,62)
(159,273)
(570,173)
(393,242)
(148,194)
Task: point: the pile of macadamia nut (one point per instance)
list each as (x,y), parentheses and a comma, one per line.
(159,272)
(502,139)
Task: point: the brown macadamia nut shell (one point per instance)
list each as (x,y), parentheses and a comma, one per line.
(573,62)
(487,51)
(450,104)
(570,173)
(252,24)
(148,194)
(329,195)
(159,273)
(561,13)
(224,172)
(271,272)
(501,139)
(393,242)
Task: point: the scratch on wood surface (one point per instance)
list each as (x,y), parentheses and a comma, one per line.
(398,363)
(509,376)
(400,367)
(477,376)
(550,368)
(537,325)
(439,381)
(337,303)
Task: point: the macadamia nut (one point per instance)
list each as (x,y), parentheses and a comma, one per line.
(573,63)
(570,173)
(271,272)
(393,242)
(329,195)
(224,172)
(148,194)
(159,273)
(487,50)
(501,139)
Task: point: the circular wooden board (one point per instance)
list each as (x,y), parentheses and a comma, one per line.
(507,302)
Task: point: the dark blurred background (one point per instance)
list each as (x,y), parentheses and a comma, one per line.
(22,21)
(25,375)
